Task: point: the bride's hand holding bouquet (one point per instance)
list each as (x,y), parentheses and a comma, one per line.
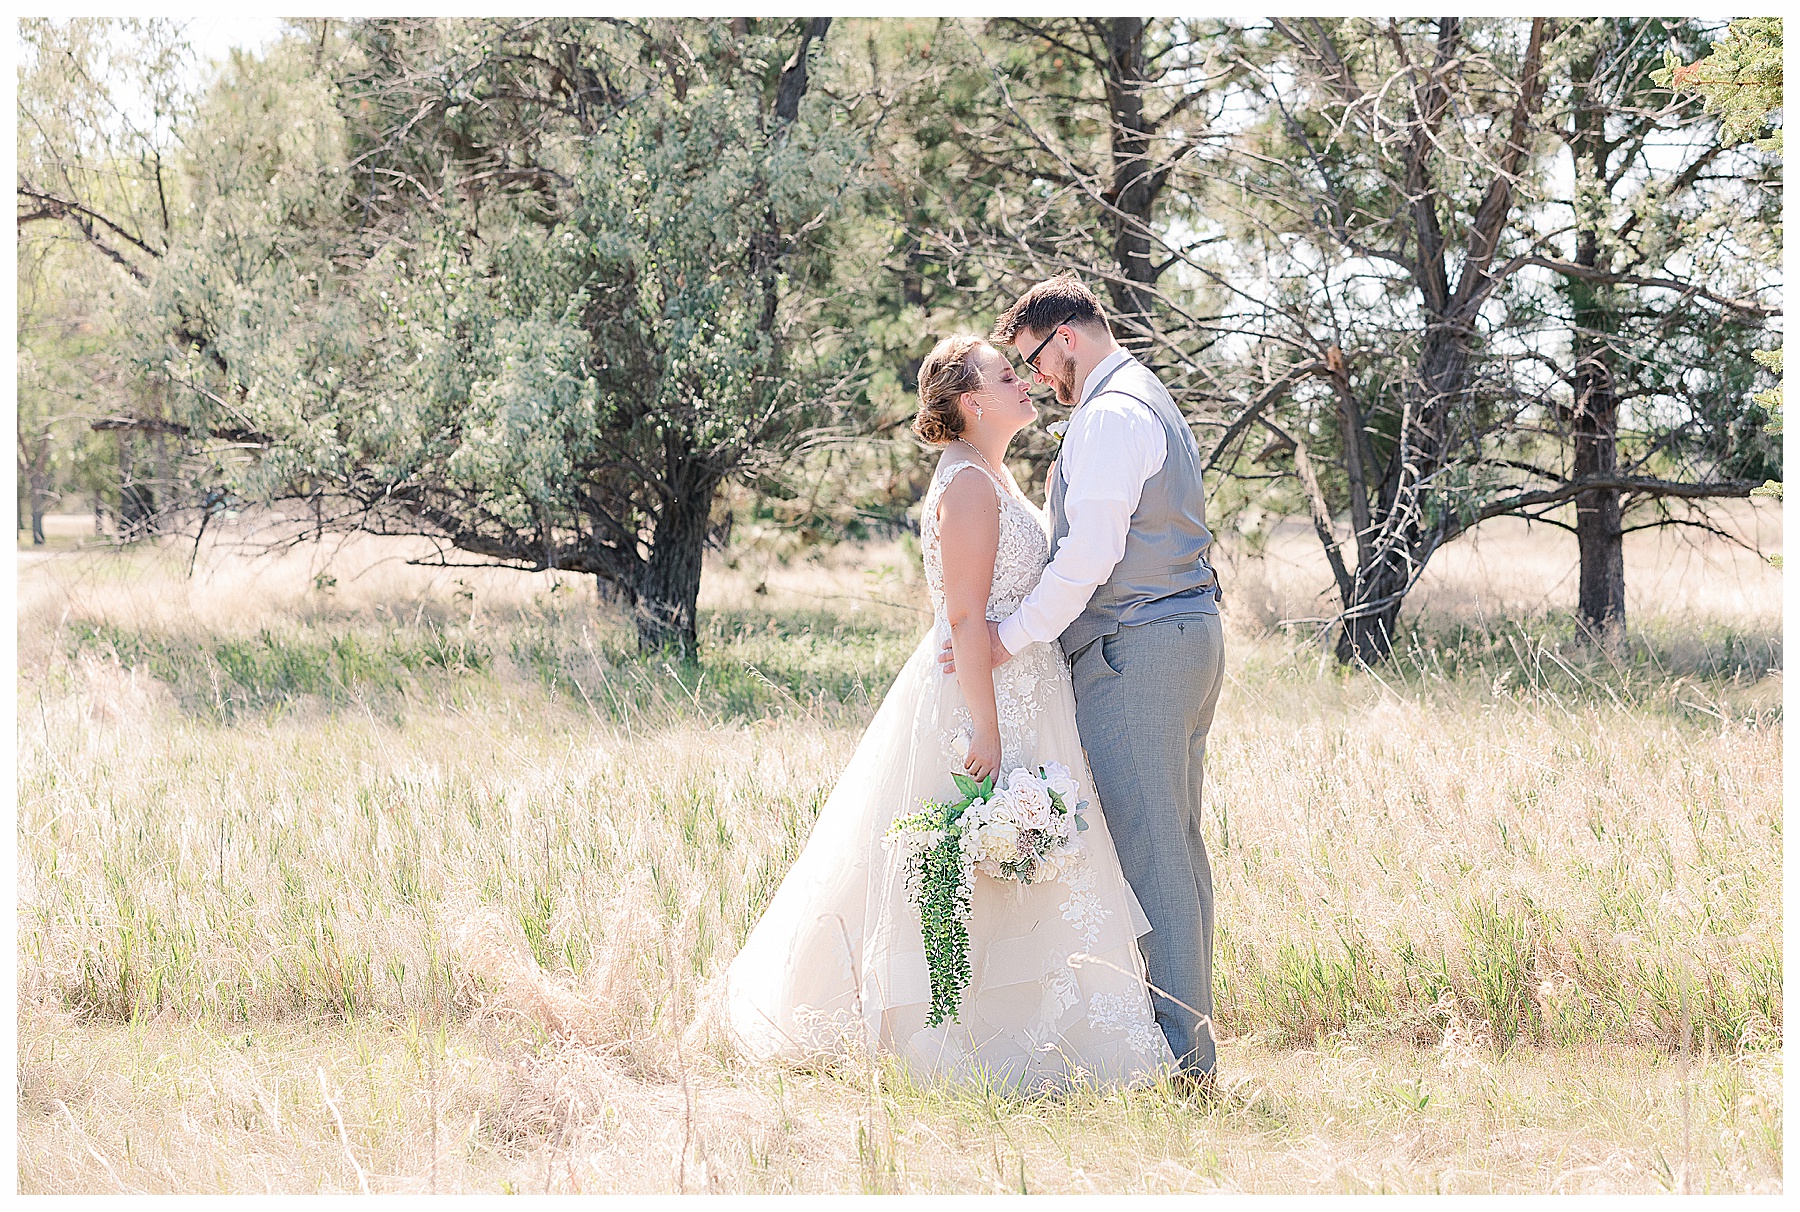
(981,760)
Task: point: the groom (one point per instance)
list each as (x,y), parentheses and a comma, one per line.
(1132,595)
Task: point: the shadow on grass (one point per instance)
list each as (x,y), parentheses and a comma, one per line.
(758,664)
(1704,668)
(752,665)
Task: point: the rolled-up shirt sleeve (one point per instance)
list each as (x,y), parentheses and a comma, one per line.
(1114,444)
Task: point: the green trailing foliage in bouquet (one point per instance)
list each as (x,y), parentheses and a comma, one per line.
(940,884)
(1024,833)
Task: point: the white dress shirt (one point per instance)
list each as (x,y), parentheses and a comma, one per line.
(1113,445)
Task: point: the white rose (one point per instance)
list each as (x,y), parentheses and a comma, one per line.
(1059,780)
(1031,803)
(1000,842)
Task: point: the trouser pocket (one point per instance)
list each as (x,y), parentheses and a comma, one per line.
(1110,660)
(1091,669)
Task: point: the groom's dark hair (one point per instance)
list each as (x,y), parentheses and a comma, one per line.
(1052,302)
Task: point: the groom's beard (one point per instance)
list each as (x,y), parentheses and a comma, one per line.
(1062,379)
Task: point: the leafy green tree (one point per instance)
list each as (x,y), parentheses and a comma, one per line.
(1442,321)
(1376,204)
(1740,79)
(98,203)
(533,289)
(1647,398)
(68,375)
(1026,147)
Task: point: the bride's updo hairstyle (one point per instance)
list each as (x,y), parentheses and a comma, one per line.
(948,371)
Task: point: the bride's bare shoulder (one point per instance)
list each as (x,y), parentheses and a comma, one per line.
(965,494)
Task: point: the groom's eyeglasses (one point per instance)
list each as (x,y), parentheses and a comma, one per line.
(1031,361)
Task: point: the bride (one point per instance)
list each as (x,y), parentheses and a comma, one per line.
(837,961)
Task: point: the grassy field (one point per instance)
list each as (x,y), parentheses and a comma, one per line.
(338,874)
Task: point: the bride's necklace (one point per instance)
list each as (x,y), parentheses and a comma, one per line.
(1004,479)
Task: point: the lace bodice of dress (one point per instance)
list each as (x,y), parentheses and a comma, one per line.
(1019,562)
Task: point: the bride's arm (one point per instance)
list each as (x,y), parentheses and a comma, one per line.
(969,537)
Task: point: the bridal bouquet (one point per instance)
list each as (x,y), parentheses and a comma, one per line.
(1025,832)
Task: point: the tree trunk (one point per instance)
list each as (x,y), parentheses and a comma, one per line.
(1359,460)
(1597,520)
(165,483)
(1134,184)
(792,86)
(1598,514)
(137,503)
(1599,532)
(1367,632)
(668,595)
(1402,538)
(37,483)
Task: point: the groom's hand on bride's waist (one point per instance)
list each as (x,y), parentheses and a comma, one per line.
(999,654)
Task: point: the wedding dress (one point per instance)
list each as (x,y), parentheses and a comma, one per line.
(837,961)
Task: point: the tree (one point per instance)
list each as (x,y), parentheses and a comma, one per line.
(1389,206)
(97,203)
(1015,149)
(1741,80)
(1041,145)
(1377,201)
(531,289)
(1663,308)
(68,373)
(541,290)
(1103,109)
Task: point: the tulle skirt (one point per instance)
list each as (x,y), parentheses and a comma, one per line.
(836,963)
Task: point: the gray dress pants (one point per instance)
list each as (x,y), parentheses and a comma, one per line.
(1144,699)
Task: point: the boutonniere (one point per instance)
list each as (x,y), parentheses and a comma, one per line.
(1057,431)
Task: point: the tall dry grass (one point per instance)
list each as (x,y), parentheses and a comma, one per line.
(436,854)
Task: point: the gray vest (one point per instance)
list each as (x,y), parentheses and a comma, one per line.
(1164,571)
